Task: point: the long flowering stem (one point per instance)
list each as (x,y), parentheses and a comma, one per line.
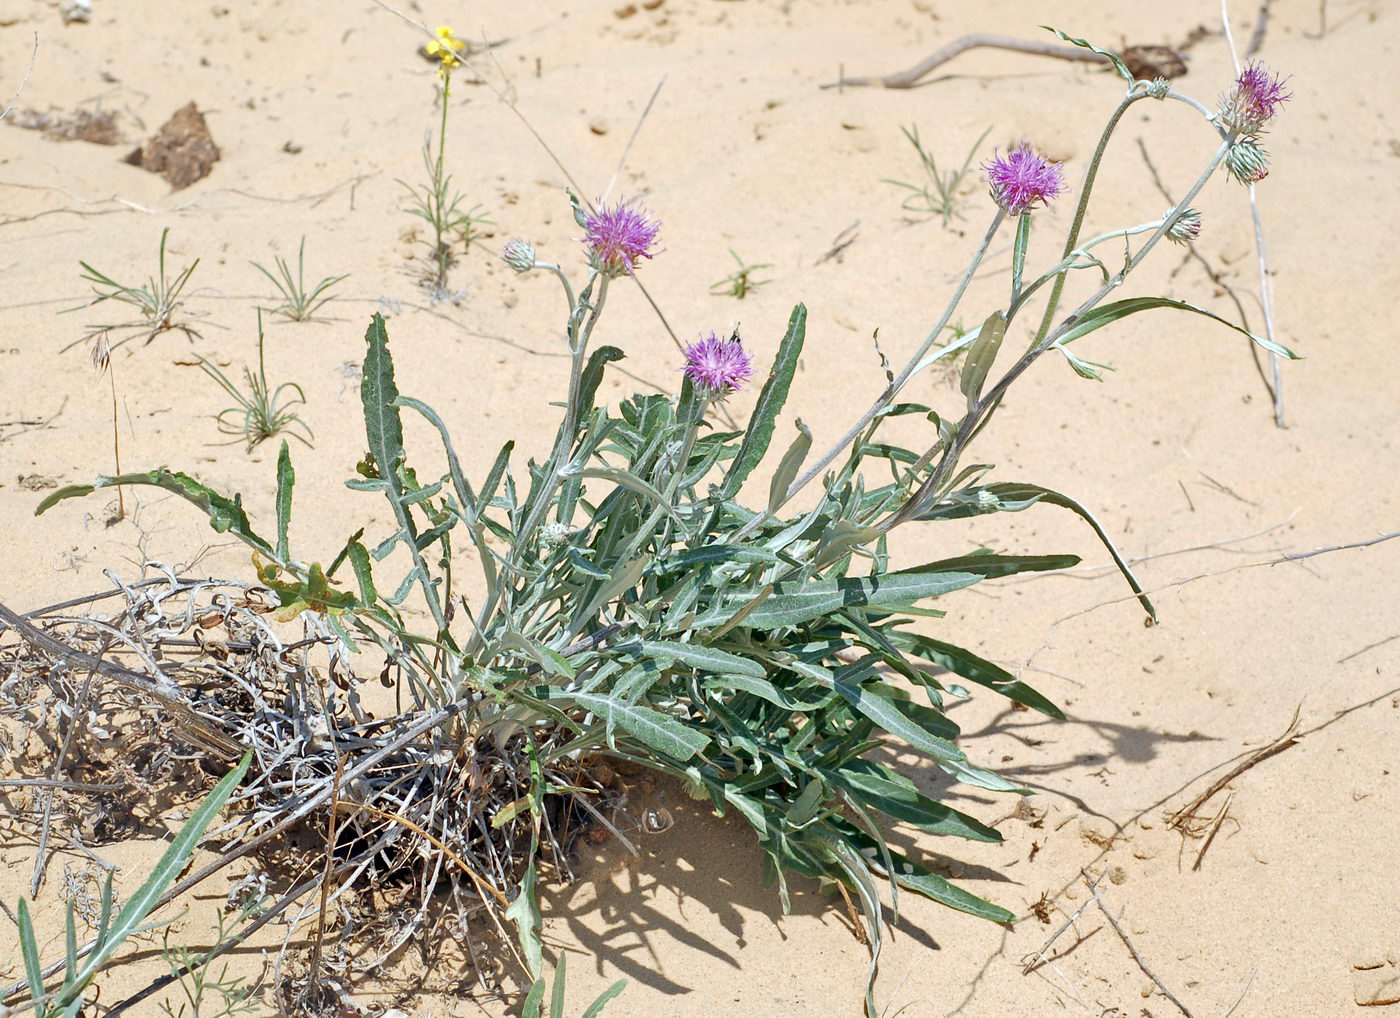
(891,390)
(971,424)
(1080,209)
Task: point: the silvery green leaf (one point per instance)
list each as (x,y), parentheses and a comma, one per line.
(794,603)
(789,466)
(914,877)
(659,731)
(895,795)
(286,478)
(883,711)
(703,658)
(769,405)
(981,355)
(980,777)
(524,911)
(766,690)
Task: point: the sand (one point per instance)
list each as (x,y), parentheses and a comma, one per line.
(317,110)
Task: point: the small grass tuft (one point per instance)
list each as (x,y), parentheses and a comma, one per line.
(298,303)
(261,412)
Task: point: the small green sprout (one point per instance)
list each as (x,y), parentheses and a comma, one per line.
(740,282)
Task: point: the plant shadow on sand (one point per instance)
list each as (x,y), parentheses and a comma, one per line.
(621,905)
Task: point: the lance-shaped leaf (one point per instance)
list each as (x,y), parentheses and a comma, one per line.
(1108,313)
(225,514)
(913,877)
(659,731)
(981,355)
(770,403)
(383,424)
(286,477)
(895,795)
(790,464)
(791,604)
(702,658)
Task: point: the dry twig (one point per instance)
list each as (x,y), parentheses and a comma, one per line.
(910,77)
(1123,936)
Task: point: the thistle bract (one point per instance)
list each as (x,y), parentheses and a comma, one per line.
(519,255)
(1186,228)
(1247,161)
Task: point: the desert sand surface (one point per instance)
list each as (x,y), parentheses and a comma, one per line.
(1291,908)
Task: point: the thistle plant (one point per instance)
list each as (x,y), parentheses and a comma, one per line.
(156,302)
(298,303)
(263,411)
(645,600)
(435,202)
(740,283)
(940,194)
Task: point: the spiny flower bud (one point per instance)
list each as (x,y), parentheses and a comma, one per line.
(1159,87)
(1186,228)
(553,535)
(519,255)
(1247,161)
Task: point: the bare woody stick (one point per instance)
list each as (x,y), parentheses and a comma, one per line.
(910,77)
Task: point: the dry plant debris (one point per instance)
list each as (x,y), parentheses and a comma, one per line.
(182,151)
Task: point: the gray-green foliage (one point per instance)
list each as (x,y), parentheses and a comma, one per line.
(646,599)
(81,967)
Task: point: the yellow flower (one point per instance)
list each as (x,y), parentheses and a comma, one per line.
(445,46)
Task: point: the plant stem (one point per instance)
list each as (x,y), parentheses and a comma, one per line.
(1080,209)
(973,420)
(116,442)
(439,191)
(891,390)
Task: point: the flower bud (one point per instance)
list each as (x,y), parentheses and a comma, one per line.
(553,535)
(1247,161)
(519,255)
(1158,87)
(1186,227)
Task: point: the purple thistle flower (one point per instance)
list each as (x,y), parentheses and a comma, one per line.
(1255,99)
(618,236)
(1023,177)
(717,365)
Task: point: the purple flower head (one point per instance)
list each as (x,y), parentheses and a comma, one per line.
(1023,177)
(1255,99)
(716,365)
(618,236)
